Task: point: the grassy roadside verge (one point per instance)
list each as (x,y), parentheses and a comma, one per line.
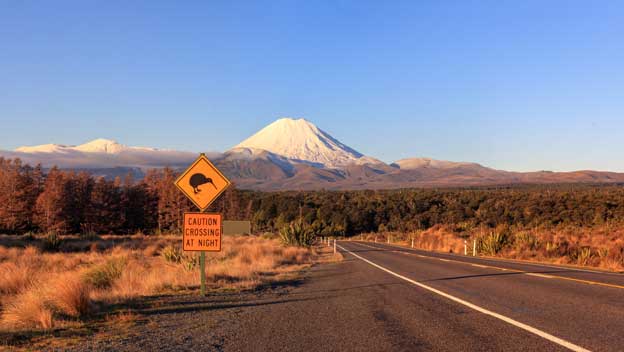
(84,287)
(599,248)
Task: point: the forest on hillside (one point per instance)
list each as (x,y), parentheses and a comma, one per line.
(32,200)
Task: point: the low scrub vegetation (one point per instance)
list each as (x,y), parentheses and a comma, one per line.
(601,247)
(297,233)
(44,290)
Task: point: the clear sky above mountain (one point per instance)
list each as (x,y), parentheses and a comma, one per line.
(518,85)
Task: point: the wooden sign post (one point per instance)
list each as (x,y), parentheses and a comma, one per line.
(202,183)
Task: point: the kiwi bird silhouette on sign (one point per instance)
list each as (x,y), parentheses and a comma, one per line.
(200,179)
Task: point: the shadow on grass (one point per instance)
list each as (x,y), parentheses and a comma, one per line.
(23,337)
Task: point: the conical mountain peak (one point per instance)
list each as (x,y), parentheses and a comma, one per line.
(301,140)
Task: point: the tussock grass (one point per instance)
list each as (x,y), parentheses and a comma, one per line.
(14,279)
(103,275)
(27,310)
(44,290)
(71,295)
(600,246)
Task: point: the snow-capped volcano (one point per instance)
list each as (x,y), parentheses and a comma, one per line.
(98,153)
(290,154)
(301,141)
(99,145)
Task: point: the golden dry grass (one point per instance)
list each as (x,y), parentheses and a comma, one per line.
(599,247)
(27,310)
(45,290)
(70,294)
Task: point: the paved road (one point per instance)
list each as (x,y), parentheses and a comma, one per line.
(385,298)
(563,307)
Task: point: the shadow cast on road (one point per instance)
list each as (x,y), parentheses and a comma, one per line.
(493,275)
(210,305)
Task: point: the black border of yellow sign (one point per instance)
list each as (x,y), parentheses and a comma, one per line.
(202,156)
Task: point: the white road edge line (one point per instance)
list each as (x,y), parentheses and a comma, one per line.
(540,275)
(480,266)
(500,260)
(516,323)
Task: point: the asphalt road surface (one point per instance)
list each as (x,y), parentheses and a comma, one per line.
(386,298)
(539,307)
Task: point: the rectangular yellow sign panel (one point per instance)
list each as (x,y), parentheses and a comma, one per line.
(202,182)
(202,232)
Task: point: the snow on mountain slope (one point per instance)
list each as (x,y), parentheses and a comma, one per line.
(102,146)
(45,148)
(99,145)
(99,153)
(301,141)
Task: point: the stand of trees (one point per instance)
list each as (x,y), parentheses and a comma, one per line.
(68,202)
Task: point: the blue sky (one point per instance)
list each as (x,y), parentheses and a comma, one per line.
(518,85)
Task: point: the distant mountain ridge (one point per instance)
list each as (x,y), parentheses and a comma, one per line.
(99,145)
(294,154)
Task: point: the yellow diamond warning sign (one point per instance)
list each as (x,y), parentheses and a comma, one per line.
(202,182)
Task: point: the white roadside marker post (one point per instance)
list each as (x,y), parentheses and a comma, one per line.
(474,248)
(334,246)
(465,247)
(412,242)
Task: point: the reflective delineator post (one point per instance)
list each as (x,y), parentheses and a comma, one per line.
(412,242)
(465,247)
(474,248)
(334,246)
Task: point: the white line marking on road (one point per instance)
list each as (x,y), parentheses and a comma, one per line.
(540,275)
(506,260)
(479,265)
(540,333)
(588,282)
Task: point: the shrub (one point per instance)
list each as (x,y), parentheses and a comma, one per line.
(551,248)
(297,233)
(190,262)
(581,255)
(103,275)
(52,242)
(267,235)
(525,240)
(89,235)
(494,242)
(172,254)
